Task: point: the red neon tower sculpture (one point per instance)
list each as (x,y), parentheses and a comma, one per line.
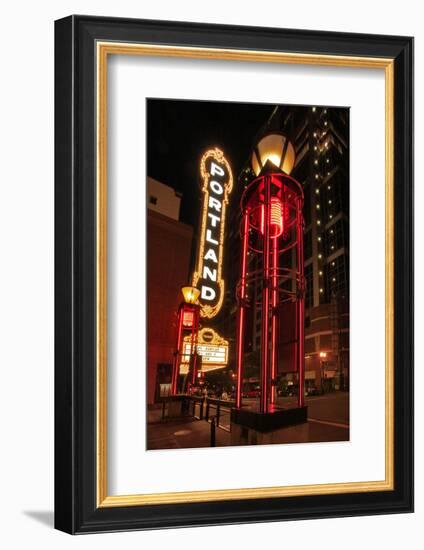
(187,322)
(272,224)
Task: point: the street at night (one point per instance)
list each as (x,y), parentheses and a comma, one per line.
(328,420)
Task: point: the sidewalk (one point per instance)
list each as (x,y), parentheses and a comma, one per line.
(184,433)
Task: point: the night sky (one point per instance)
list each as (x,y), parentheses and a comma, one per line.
(179,132)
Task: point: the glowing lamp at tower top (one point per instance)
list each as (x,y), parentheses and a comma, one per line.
(276,149)
(191,294)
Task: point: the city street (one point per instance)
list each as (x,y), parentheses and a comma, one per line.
(328,420)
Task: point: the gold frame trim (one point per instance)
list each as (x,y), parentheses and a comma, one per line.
(103,50)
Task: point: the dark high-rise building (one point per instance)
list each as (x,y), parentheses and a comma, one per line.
(321,139)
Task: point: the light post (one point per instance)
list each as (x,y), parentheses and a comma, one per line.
(322,356)
(187,321)
(272,224)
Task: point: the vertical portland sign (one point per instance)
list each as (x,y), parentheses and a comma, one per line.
(217,183)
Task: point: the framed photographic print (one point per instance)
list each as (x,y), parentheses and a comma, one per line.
(234,274)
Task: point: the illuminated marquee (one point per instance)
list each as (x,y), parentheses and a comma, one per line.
(212,348)
(217,183)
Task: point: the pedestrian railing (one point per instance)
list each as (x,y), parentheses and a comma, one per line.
(203,408)
(221,410)
(197,407)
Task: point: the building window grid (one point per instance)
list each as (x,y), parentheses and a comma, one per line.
(309,280)
(335,237)
(307,245)
(337,278)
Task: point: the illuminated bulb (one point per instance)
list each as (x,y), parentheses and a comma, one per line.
(325,123)
(316,176)
(319,256)
(318,206)
(319,239)
(276,149)
(329,202)
(334,279)
(331,216)
(315,134)
(314,109)
(320,273)
(333,263)
(315,161)
(328,160)
(332,247)
(318,222)
(190,294)
(276,218)
(315,147)
(321,290)
(317,191)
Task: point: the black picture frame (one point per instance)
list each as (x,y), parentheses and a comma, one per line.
(76,509)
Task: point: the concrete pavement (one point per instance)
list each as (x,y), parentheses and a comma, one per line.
(328,420)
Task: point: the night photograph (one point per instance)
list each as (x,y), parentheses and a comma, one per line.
(248,274)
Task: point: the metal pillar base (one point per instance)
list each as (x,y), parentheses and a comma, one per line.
(273,420)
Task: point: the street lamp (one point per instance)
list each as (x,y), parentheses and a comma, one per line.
(272,223)
(276,149)
(191,294)
(187,321)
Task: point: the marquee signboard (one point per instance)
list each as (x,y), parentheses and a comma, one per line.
(212,348)
(217,183)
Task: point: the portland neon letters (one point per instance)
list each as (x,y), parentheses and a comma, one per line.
(217,183)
